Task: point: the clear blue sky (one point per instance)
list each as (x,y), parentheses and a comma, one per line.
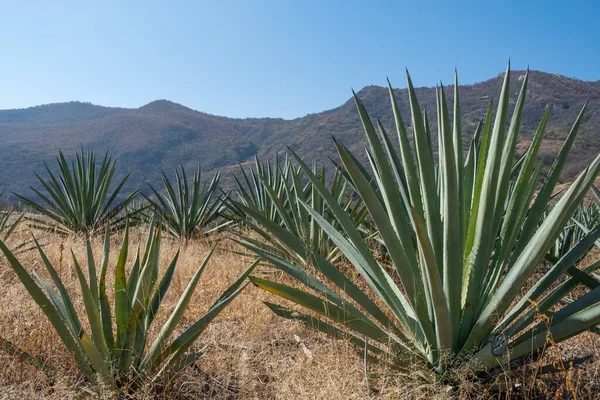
(277,58)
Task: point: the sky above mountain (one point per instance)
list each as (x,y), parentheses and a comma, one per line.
(277,58)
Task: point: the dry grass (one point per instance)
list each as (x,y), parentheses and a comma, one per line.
(252,354)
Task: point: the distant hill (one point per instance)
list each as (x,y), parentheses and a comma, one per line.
(163,134)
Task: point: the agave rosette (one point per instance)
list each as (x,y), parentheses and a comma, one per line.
(125,357)
(274,193)
(462,245)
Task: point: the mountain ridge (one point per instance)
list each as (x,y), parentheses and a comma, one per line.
(591,84)
(163,134)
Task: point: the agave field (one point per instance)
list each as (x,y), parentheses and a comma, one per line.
(449,265)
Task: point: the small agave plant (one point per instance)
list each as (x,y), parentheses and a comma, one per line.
(188,211)
(273,193)
(462,246)
(129,356)
(585,217)
(82,198)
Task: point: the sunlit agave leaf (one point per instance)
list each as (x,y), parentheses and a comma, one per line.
(462,233)
(79,198)
(123,362)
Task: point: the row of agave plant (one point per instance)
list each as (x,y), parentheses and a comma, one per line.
(84,199)
(462,233)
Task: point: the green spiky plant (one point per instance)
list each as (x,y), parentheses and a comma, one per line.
(588,215)
(10,220)
(462,246)
(125,358)
(273,193)
(79,199)
(252,187)
(139,211)
(189,212)
(584,218)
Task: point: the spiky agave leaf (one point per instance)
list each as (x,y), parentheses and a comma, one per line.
(188,212)
(120,358)
(79,199)
(463,235)
(10,220)
(585,217)
(273,193)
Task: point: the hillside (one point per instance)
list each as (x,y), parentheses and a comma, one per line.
(163,134)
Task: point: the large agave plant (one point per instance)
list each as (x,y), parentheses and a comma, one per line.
(462,246)
(188,212)
(272,194)
(124,358)
(79,198)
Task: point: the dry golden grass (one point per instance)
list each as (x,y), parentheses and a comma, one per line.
(252,354)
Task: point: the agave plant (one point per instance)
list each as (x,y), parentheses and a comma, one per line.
(585,217)
(252,187)
(10,220)
(275,192)
(462,246)
(588,215)
(186,213)
(139,212)
(125,358)
(78,199)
